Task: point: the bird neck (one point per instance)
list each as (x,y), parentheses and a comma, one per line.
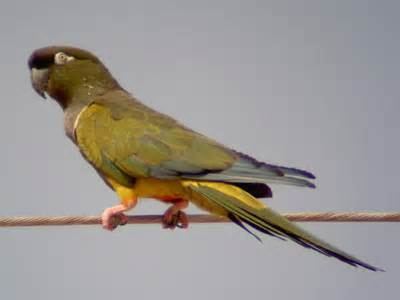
(78,83)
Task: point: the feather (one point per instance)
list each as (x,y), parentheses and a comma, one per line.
(270,222)
(248,170)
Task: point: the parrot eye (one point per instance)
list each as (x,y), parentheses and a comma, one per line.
(61,58)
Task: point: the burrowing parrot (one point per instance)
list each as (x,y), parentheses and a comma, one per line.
(140,152)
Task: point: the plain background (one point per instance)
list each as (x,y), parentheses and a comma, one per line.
(313,85)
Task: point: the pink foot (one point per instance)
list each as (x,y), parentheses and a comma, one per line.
(114,216)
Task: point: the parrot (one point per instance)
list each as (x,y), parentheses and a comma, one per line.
(142,153)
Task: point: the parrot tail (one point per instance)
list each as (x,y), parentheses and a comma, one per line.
(241,208)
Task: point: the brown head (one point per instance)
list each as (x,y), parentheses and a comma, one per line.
(62,71)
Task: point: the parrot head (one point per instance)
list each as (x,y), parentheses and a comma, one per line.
(64,72)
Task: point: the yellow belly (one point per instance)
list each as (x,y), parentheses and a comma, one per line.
(164,190)
(160,189)
(149,188)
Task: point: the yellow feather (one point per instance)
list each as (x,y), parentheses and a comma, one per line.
(179,189)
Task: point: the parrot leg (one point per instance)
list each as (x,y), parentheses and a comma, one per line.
(175,217)
(114,216)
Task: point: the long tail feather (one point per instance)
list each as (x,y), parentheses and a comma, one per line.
(238,204)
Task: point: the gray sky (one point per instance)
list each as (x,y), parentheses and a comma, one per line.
(311,85)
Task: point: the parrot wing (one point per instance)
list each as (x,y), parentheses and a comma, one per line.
(125,139)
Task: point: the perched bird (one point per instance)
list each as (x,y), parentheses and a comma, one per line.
(140,152)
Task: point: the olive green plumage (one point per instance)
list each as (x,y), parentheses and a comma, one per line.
(127,141)
(145,143)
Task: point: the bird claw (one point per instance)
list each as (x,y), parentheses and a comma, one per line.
(171,219)
(119,220)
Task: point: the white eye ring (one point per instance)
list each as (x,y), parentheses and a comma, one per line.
(61,58)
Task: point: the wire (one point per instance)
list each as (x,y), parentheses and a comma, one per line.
(154,219)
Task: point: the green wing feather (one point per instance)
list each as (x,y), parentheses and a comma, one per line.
(140,142)
(120,135)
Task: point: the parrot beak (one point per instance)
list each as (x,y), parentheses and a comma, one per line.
(39,79)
